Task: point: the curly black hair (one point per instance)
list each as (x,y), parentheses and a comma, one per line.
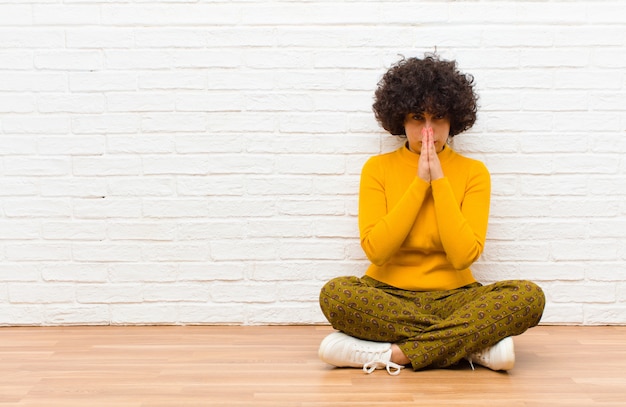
(425,85)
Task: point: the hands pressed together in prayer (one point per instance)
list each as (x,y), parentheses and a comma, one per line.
(428,166)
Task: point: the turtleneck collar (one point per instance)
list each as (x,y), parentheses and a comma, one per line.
(412,158)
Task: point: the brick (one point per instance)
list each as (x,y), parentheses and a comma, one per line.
(34,124)
(106,252)
(223,271)
(140,273)
(279,228)
(71,145)
(220,185)
(19,272)
(175,208)
(271,314)
(102,81)
(200,230)
(246,250)
(208,59)
(212,314)
(140,102)
(563,314)
(75,273)
(79,14)
(251,208)
(587,293)
(603,314)
(141,231)
(178,293)
(317,123)
(283,185)
(315,13)
(213,102)
(41,293)
(178,122)
(176,251)
(79,231)
(181,164)
(19,186)
(573,271)
(29,37)
(303,164)
(131,187)
(100,38)
(21,315)
(77,315)
(246,79)
(165,14)
(336,185)
(106,207)
(231,37)
(585,250)
(166,38)
(141,314)
(71,104)
(109,294)
(105,124)
(16,15)
(37,208)
(106,165)
(225,292)
(312,249)
(17,103)
(139,144)
(543,185)
(16,60)
(194,80)
(68,60)
(133,59)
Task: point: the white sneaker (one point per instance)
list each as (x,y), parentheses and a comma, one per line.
(341,350)
(500,356)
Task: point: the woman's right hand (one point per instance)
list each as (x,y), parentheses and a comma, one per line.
(423,164)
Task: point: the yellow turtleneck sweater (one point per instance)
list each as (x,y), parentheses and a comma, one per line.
(423,236)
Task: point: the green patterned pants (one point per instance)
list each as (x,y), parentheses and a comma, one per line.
(432,328)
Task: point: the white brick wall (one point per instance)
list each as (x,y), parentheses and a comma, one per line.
(196,161)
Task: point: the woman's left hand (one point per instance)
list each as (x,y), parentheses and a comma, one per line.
(428,156)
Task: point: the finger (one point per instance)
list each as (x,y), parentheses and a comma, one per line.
(424,141)
(431,141)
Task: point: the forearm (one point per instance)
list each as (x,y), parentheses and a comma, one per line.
(462,230)
(383,233)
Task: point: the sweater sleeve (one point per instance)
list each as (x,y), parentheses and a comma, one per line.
(383,229)
(463,225)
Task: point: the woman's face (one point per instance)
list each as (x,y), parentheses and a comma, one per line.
(415,122)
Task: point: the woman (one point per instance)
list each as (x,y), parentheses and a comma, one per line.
(423,212)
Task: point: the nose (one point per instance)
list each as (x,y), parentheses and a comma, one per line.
(428,121)
(428,124)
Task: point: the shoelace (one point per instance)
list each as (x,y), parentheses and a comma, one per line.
(478,357)
(369,367)
(471,364)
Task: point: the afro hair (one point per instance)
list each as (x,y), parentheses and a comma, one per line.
(430,85)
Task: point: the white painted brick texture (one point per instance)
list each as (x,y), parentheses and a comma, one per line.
(197,161)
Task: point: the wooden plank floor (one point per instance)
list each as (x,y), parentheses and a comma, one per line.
(278,366)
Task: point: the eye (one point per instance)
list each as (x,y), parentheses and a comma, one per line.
(418,117)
